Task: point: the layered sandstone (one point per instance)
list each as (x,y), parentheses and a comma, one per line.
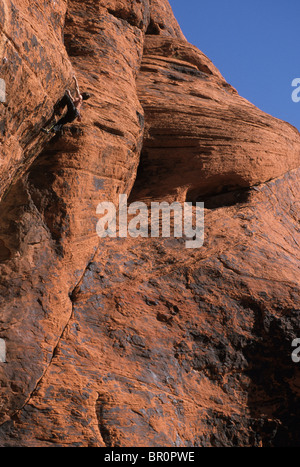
(141,342)
(201,137)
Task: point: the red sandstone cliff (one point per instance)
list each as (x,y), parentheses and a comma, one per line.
(141,342)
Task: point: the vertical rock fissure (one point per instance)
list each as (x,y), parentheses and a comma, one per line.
(104,431)
(55,349)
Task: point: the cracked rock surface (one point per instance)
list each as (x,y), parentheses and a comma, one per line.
(139,341)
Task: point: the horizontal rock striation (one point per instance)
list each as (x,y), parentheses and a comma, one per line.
(139,341)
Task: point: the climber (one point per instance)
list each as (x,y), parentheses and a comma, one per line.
(73,105)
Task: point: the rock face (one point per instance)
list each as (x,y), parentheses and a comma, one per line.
(201,137)
(139,341)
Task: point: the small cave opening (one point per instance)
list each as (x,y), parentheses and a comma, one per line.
(227,197)
(5,253)
(142,183)
(153,29)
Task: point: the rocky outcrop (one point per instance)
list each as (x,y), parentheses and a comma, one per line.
(48,233)
(201,137)
(141,342)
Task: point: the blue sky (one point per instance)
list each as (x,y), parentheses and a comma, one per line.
(254,44)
